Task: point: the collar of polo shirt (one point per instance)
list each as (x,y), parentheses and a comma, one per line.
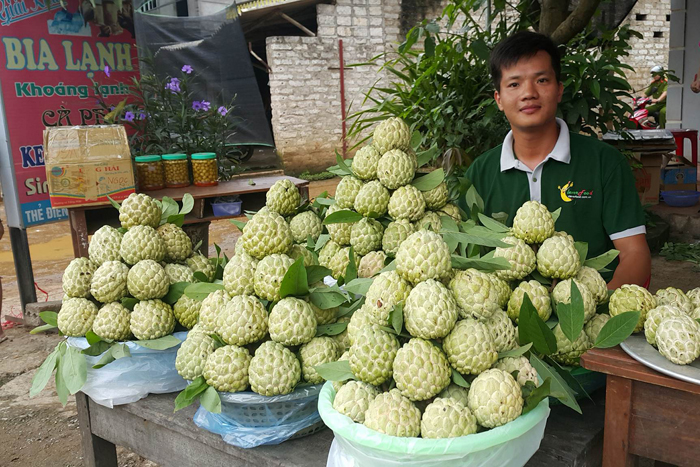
(561,151)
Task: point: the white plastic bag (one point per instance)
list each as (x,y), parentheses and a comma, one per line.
(129,379)
(355,445)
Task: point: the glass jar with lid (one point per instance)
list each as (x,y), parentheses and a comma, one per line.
(177,170)
(205,170)
(149,172)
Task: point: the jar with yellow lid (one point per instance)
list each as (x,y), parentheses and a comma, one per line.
(205,170)
(177,170)
(149,172)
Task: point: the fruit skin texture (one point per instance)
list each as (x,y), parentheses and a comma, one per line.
(317,351)
(327,252)
(503,290)
(283,197)
(210,308)
(470,347)
(505,336)
(520,256)
(421,370)
(353,399)
(533,222)
(178,273)
(340,261)
(346,191)
(274,370)
(243,321)
(77,278)
(364,164)
(199,263)
(371,264)
(292,322)
(562,294)
(358,321)
(694,296)
(595,283)
(630,297)
(109,282)
(557,258)
(152,319)
(526,372)
(455,392)
(104,245)
(139,209)
(372,355)
(372,200)
(76,316)
(674,297)
(430,311)
(112,322)
(396,168)
(178,245)
(539,296)
(654,318)
(430,221)
(568,352)
(226,369)
(386,291)
(592,328)
(340,233)
(394,415)
(678,339)
(451,210)
(186,311)
(269,274)
(142,242)
(395,234)
(147,280)
(366,236)
(239,275)
(392,133)
(447,418)
(193,353)
(423,255)
(474,295)
(304,224)
(300,251)
(436,198)
(265,234)
(406,203)
(495,398)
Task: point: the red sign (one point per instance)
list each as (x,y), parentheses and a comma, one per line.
(50,57)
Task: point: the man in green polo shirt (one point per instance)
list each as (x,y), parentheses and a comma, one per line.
(541,160)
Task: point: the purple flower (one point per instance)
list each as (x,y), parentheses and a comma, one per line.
(222,111)
(196,105)
(173,85)
(187,69)
(129,116)
(107,71)
(142,115)
(206,105)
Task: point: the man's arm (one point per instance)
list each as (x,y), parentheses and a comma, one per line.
(635,261)
(661,98)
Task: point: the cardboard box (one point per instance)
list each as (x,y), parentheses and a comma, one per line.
(680,175)
(85,164)
(648,177)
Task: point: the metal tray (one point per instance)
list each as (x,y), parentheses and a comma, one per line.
(638,348)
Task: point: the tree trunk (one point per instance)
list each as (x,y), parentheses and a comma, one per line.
(552,14)
(575,22)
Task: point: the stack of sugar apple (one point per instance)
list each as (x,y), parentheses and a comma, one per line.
(247,335)
(139,261)
(380,190)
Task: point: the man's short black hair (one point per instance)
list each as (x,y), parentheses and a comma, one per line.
(523,44)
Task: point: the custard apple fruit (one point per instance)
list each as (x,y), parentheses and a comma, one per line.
(212,305)
(178,273)
(505,336)
(139,209)
(364,164)
(395,233)
(455,392)
(503,290)
(300,251)
(694,296)
(470,347)
(193,353)
(592,328)
(568,352)
(371,264)
(186,311)
(430,221)
(366,236)
(372,200)
(392,133)
(226,369)
(358,321)
(520,256)
(340,232)
(340,261)
(112,322)
(557,258)
(269,274)
(76,316)
(533,223)
(109,282)
(274,370)
(152,319)
(394,415)
(343,339)
(539,296)
(495,398)
(265,234)
(423,255)
(243,321)
(396,168)
(594,282)
(326,316)
(386,291)
(353,399)
(674,297)
(562,294)
(474,294)
(142,242)
(447,418)
(200,263)
(104,245)
(178,245)
(292,322)
(372,355)
(451,210)
(283,198)
(77,278)
(421,370)
(436,198)
(317,351)
(526,372)
(631,297)
(430,311)
(654,318)
(406,203)
(327,252)
(304,225)
(346,191)
(147,280)
(678,339)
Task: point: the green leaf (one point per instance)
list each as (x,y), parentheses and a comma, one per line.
(175,292)
(106,359)
(568,378)
(482,264)
(536,275)
(599,262)
(43,373)
(322,240)
(473,199)
(396,318)
(200,276)
(295,282)
(426,156)
(429,181)
(617,329)
(349,309)
(531,328)
(187,204)
(114,203)
(73,369)
(177,219)
(98,348)
(558,386)
(556,214)
(335,371)
(327,298)
(239,224)
(210,400)
(478,237)
(200,290)
(162,343)
(120,351)
(389,267)
(582,249)
(331,329)
(344,216)
(358,286)
(458,379)
(61,388)
(191,393)
(316,273)
(515,352)
(351,269)
(92,338)
(129,303)
(342,165)
(571,316)
(492,224)
(49,317)
(42,328)
(536,396)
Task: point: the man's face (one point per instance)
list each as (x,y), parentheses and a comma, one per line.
(530,92)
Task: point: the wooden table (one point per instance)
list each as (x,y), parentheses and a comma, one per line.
(84,220)
(647,414)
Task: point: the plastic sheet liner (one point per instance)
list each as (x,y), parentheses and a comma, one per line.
(129,379)
(248,419)
(356,445)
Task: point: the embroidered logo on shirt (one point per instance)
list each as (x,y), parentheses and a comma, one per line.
(568,194)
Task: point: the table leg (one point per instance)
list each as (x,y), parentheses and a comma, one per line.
(304,192)
(79,232)
(616,436)
(97,451)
